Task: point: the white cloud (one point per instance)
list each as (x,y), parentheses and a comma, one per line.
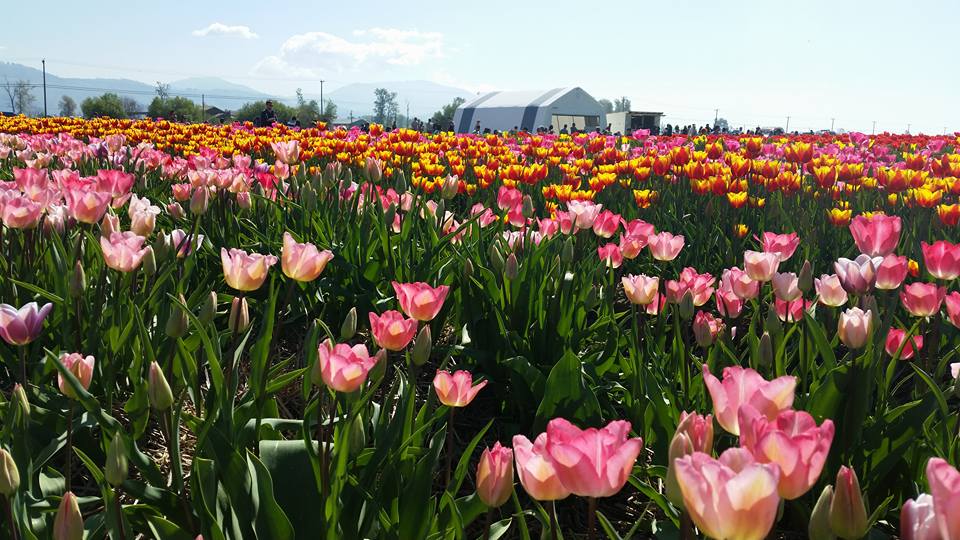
(315,54)
(442,77)
(220,28)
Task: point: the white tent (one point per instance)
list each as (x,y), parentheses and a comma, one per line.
(529,110)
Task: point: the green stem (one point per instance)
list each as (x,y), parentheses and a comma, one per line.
(686,527)
(553,520)
(23,365)
(14,531)
(487,523)
(119,508)
(591,518)
(69,444)
(449,451)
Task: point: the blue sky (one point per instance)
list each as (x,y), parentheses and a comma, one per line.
(757,62)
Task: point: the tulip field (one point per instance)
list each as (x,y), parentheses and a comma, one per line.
(232,332)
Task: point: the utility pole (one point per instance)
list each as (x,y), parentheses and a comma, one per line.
(408,113)
(873,131)
(787,130)
(908,129)
(44,62)
(831,123)
(716,116)
(321,98)
(351,117)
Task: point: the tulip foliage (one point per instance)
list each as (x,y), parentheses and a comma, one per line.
(242,332)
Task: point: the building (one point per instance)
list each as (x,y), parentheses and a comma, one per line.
(627,122)
(529,110)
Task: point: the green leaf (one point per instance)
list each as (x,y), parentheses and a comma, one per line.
(567,395)
(271,520)
(288,463)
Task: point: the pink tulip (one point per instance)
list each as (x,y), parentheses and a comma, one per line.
(508,197)
(744,386)
(665,246)
(181,192)
(793,311)
(760,266)
(728,304)
(944,483)
(793,442)
(22,326)
(918,519)
(732,497)
(178,240)
(830,290)
(21,213)
(243,200)
(876,236)
(631,245)
(68,523)
(175,210)
(536,471)
(848,513)
(584,213)
(566,220)
(854,327)
(706,328)
(891,272)
(547,227)
(859,275)
(641,289)
(782,244)
(955,370)
(457,389)
(391,330)
(606,224)
(245,271)
(123,251)
(115,182)
(286,151)
(31,180)
(109,225)
(342,367)
(786,286)
(653,308)
(302,262)
(592,462)
(737,281)
(952,301)
(419,300)
(81,367)
(610,255)
(922,299)
(896,337)
(86,206)
(495,475)
(942,259)
(699,285)
(694,434)
(639,229)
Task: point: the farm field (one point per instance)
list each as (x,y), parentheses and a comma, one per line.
(241,332)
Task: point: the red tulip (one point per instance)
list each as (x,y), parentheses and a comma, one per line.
(742,386)
(419,300)
(22,326)
(391,330)
(665,246)
(918,519)
(592,462)
(782,244)
(942,259)
(922,299)
(760,266)
(457,389)
(792,441)
(123,251)
(732,497)
(245,271)
(877,235)
(944,483)
(536,471)
(495,475)
(896,337)
(891,272)
(342,367)
(81,367)
(302,262)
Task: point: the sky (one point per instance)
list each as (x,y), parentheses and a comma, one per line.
(850,63)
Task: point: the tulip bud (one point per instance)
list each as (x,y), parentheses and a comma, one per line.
(200,201)
(162,247)
(467,269)
(373,169)
(158,390)
(805,279)
(309,198)
(422,346)
(390,215)
(349,327)
(680,446)
(208,310)
(239,315)
(329,177)
(19,397)
(149,261)
(115,470)
(9,474)
(358,437)
(177,321)
(772,322)
(869,303)
(686,305)
(348,177)
(527,208)
(766,350)
(848,515)
(819,528)
(592,299)
(566,254)
(245,200)
(496,258)
(175,210)
(78,281)
(401,181)
(379,369)
(441,211)
(450,186)
(68,524)
(511,268)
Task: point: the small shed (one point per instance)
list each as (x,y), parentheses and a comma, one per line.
(529,110)
(626,122)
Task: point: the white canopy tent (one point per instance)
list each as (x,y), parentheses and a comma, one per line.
(529,110)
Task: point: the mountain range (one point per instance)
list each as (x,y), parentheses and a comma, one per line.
(356,99)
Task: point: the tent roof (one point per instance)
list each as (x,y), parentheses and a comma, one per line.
(519,98)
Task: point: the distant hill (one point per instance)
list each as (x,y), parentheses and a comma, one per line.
(424,97)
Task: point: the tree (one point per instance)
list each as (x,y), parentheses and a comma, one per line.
(385,106)
(68,107)
(606,104)
(251,111)
(163,90)
(21,98)
(108,104)
(307,112)
(621,105)
(130,106)
(174,108)
(329,111)
(722,124)
(444,117)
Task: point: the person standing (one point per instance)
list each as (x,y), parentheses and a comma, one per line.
(268,116)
